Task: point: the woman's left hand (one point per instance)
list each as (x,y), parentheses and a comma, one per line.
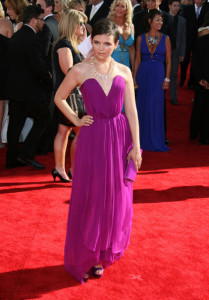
(166,85)
(135,154)
(85,121)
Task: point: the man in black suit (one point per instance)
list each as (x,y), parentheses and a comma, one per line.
(28,74)
(199,124)
(194,15)
(96,11)
(136,6)
(49,33)
(178,49)
(48,36)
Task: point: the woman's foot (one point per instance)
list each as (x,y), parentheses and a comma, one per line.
(86,277)
(97,271)
(60,172)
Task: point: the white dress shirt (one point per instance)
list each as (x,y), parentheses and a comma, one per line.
(94,9)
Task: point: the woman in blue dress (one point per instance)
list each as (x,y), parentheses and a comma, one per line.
(121,15)
(152,50)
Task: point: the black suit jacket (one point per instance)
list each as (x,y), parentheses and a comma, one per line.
(27,71)
(101,13)
(139,25)
(192,23)
(48,36)
(201,60)
(137,9)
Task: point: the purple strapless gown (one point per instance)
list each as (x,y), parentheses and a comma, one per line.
(100,215)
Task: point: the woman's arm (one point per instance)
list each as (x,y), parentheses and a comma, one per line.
(138,57)
(71,80)
(65,59)
(166,81)
(132,52)
(131,113)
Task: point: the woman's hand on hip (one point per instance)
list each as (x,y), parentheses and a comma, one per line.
(85,121)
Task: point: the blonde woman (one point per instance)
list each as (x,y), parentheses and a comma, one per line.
(60,6)
(6,31)
(14,10)
(80,5)
(121,15)
(65,55)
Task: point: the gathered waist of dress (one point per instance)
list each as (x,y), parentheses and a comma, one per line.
(149,59)
(105,118)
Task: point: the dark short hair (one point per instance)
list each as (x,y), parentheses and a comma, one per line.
(30,12)
(170,2)
(105,26)
(151,15)
(49,3)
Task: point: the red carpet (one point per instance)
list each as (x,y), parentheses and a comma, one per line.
(167,258)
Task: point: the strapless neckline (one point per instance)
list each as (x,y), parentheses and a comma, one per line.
(94,79)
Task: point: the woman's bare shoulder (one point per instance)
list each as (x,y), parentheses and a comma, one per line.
(82,67)
(81,71)
(5,23)
(123,71)
(6,27)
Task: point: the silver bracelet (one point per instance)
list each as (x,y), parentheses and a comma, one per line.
(167,79)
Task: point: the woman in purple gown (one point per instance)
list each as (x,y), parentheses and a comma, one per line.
(100,215)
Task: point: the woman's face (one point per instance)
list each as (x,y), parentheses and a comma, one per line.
(11,13)
(57,6)
(156,23)
(80,28)
(80,8)
(120,9)
(103,46)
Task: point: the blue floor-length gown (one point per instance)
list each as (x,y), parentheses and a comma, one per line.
(150,96)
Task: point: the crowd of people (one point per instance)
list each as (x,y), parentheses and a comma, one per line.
(49,90)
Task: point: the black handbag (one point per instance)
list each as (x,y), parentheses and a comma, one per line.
(75,101)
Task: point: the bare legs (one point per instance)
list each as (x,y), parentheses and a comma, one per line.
(73,147)
(1,119)
(60,146)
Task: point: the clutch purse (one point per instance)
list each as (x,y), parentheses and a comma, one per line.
(130,172)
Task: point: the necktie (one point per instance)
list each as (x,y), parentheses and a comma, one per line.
(198,12)
(93,10)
